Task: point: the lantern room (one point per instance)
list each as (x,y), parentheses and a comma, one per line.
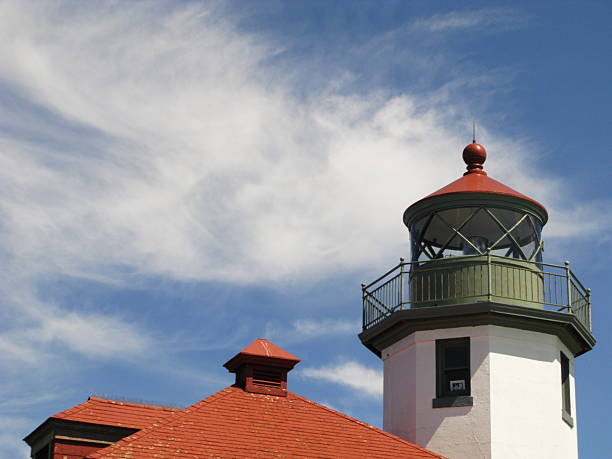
(455,232)
(474,215)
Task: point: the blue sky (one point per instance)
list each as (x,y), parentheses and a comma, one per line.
(180,178)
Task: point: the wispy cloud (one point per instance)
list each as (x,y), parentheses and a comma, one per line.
(305,329)
(494,18)
(168,150)
(366,381)
(11,431)
(176,153)
(30,400)
(41,328)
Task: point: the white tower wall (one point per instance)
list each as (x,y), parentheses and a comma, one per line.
(516,390)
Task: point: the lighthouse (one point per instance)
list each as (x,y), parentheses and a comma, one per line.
(477,333)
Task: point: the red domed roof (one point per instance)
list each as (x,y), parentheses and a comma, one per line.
(476,180)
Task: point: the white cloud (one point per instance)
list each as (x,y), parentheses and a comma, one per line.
(311,328)
(93,334)
(151,141)
(493,18)
(330,406)
(305,329)
(366,381)
(40,328)
(199,163)
(12,430)
(30,400)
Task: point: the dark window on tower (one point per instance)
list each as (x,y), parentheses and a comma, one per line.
(565,388)
(452,367)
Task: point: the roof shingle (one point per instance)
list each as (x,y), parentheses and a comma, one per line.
(113,413)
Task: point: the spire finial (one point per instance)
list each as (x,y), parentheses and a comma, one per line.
(473,131)
(474,156)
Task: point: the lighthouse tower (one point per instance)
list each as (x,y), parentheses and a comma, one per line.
(477,333)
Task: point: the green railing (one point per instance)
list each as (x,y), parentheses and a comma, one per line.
(469,279)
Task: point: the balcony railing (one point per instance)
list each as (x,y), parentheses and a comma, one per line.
(469,279)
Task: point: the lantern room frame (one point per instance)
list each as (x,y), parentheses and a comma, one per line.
(518,212)
(514,250)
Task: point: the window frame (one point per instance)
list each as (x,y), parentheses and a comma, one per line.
(444,397)
(566,389)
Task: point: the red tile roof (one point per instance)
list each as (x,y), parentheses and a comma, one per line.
(236,424)
(264,348)
(112,413)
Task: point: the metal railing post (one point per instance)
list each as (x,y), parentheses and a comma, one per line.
(401,279)
(363,308)
(489,277)
(568,274)
(588,298)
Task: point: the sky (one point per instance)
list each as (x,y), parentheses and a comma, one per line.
(180,178)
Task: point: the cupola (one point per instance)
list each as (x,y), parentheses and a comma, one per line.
(262,368)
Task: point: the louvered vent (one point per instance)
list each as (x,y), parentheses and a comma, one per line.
(267,377)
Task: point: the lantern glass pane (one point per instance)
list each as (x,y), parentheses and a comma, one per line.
(484,228)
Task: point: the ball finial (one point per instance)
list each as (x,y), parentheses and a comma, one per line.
(474,156)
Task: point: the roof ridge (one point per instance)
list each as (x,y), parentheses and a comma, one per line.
(141,405)
(363,424)
(174,416)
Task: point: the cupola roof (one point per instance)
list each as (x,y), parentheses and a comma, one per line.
(262,351)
